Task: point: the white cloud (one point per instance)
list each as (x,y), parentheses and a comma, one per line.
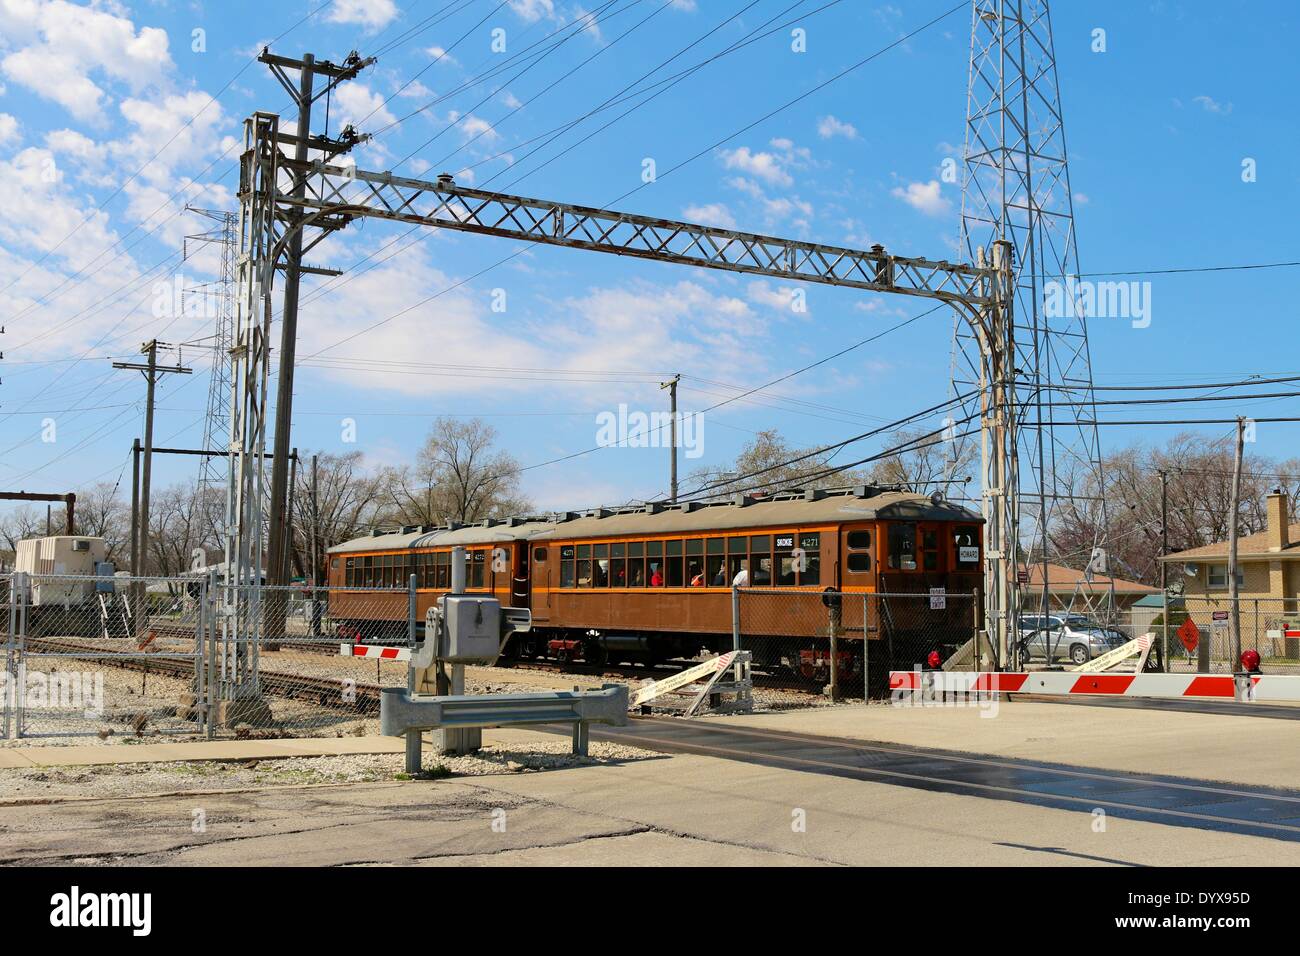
(356,103)
(1213,106)
(441,55)
(477,126)
(765,166)
(370,15)
(1081,199)
(534,10)
(56,46)
(925,197)
(829,126)
(713,214)
(8,129)
(773,297)
(511,100)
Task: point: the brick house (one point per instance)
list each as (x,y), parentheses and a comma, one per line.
(1268,579)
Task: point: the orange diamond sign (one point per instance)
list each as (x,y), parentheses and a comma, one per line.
(1189,634)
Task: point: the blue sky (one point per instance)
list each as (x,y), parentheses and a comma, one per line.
(94,101)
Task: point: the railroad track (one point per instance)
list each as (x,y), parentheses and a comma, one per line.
(326,691)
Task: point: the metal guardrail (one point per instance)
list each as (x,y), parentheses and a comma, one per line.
(402,713)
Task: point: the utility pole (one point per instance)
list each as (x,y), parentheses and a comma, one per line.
(151,370)
(315,621)
(304,95)
(1164,567)
(1234,611)
(671,385)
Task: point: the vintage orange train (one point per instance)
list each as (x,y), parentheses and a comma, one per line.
(654,583)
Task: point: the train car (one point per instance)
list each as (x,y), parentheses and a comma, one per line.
(654,583)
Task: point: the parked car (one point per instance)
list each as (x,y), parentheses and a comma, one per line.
(1072,636)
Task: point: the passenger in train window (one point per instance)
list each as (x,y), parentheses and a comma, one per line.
(656,576)
(696,575)
(741,579)
(602,573)
(763,573)
(636,577)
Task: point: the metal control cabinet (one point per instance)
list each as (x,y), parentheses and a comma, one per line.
(472,629)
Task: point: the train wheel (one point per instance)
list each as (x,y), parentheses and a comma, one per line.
(595,654)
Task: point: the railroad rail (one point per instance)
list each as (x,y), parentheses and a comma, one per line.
(323,690)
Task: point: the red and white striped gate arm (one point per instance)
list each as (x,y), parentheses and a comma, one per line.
(375,651)
(1064,683)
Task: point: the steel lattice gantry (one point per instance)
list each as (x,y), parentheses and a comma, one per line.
(1016,188)
(335,195)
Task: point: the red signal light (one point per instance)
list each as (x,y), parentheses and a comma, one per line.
(934,660)
(1250,661)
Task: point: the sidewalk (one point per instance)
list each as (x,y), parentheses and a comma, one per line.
(13,758)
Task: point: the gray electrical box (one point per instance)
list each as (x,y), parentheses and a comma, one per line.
(473,628)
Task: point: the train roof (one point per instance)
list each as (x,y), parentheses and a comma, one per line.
(861,503)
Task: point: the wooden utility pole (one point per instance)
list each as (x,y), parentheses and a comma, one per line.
(671,385)
(304,94)
(1164,568)
(151,371)
(1234,611)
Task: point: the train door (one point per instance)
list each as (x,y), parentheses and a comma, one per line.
(538,584)
(519,574)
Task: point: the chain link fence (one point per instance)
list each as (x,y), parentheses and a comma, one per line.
(102,657)
(830,644)
(1269,626)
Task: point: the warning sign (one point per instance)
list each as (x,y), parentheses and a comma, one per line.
(938,599)
(1189,634)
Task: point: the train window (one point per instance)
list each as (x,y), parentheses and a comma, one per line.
(695,573)
(859,540)
(584,551)
(367,572)
(635,570)
(350,573)
(810,571)
(966,544)
(737,545)
(539,555)
(902,546)
(859,561)
(736,563)
(618,572)
(760,560)
(618,550)
(334,563)
(567,573)
(930,550)
(584,572)
(695,563)
(635,549)
(654,549)
(476,571)
(600,551)
(784,560)
(673,564)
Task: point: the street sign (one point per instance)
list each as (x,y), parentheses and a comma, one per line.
(1022,577)
(1189,634)
(968,555)
(938,599)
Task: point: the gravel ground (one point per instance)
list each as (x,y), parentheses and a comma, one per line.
(126,780)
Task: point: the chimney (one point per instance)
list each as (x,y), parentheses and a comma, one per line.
(1278,531)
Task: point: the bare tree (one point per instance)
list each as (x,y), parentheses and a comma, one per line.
(102,513)
(347,504)
(458,475)
(768,463)
(925,462)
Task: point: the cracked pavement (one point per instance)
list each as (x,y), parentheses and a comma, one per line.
(681,810)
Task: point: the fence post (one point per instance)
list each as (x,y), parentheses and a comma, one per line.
(836,612)
(19,583)
(11,649)
(866,653)
(414,738)
(735,625)
(213,597)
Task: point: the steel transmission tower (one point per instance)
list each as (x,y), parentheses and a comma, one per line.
(1016,187)
(216,424)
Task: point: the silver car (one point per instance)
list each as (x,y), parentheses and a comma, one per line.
(1071,636)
